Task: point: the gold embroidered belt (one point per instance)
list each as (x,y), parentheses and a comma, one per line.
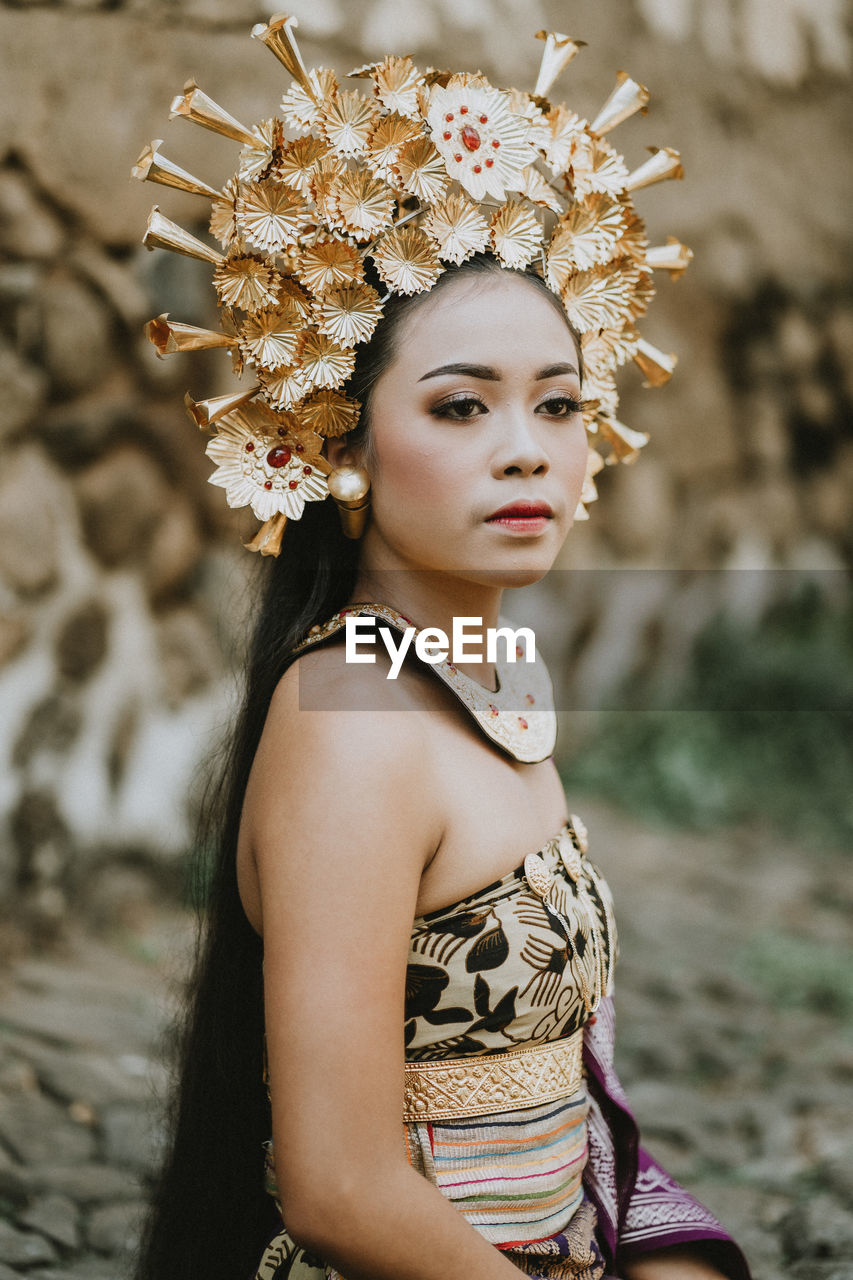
(453,1088)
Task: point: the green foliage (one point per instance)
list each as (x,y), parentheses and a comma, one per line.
(801,973)
(762,728)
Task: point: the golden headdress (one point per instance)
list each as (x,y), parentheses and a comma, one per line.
(412,170)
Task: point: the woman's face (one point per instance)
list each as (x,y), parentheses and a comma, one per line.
(478,410)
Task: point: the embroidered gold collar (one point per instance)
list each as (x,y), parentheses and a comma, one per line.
(518,716)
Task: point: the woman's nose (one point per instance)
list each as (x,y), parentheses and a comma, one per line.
(520,451)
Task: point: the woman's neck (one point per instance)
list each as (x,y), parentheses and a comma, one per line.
(436,599)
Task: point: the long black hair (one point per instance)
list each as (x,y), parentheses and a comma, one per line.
(209,1215)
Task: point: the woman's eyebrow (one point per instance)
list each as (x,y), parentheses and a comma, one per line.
(489,374)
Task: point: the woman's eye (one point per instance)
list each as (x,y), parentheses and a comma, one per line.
(563,406)
(459,409)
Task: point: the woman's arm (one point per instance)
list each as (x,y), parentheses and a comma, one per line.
(675,1263)
(342,819)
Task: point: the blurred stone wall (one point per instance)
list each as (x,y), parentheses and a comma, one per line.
(124,592)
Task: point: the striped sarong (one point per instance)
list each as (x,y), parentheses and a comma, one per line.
(516,1177)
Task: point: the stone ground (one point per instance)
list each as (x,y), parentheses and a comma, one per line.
(736,1044)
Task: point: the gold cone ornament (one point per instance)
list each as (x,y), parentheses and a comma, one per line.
(401,178)
(205,413)
(170,336)
(193,104)
(152,167)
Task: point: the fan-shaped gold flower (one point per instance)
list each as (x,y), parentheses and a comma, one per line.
(330,263)
(247,281)
(538,129)
(600,389)
(397,81)
(256,159)
(458,228)
(406,260)
(633,242)
(641,291)
(595,299)
(349,315)
(324,363)
(223,214)
(516,235)
(297,296)
(585,236)
(536,187)
(298,161)
(299,109)
(384,143)
(565,129)
(421,170)
(324,188)
(347,122)
(597,167)
(270,215)
(270,339)
(366,204)
(605,349)
(284,388)
(329,413)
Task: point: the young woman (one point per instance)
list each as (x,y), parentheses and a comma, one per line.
(397,1060)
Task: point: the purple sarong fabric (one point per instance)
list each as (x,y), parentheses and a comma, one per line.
(640,1206)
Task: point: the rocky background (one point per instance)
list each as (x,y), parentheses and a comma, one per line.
(125,595)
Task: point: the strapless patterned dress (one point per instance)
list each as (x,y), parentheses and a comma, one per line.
(524,961)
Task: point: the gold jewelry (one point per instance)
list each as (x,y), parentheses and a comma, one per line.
(350,488)
(419,170)
(453,1088)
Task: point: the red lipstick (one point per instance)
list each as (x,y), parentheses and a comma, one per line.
(522,517)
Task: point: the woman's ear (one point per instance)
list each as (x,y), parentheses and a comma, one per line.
(342,454)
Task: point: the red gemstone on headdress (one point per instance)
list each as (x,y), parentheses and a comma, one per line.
(306,471)
(448,136)
(282,431)
(300,448)
(490,164)
(471,139)
(292,484)
(458,159)
(449,117)
(495,143)
(463,111)
(268,484)
(484,119)
(279,456)
(478,168)
(250,448)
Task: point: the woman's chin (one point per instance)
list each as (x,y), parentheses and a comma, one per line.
(506,576)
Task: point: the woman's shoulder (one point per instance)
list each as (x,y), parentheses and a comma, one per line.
(334,745)
(324,679)
(349,720)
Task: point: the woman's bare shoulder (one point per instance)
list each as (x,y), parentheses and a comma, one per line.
(340,740)
(324,679)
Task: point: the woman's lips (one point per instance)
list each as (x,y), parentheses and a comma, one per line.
(522,518)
